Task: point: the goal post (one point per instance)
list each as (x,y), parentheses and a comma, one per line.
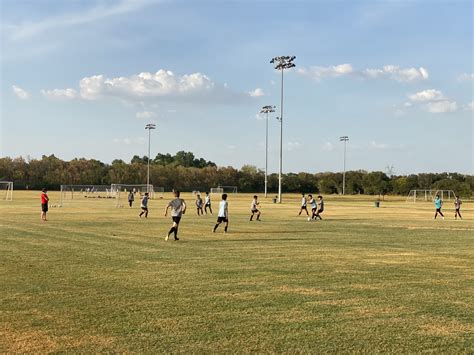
(429,195)
(6,190)
(217,190)
(71,192)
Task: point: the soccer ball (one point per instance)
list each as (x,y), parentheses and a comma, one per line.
(309,219)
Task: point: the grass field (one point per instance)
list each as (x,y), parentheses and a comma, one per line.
(95,278)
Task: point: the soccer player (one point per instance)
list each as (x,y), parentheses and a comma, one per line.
(303,205)
(438,204)
(457,207)
(44,204)
(254,208)
(178,208)
(144,206)
(199,205)
(131,198)
(223,215)
(207,203)
(314,206)
(320,208)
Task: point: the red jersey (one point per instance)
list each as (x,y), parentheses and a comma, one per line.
(44,198)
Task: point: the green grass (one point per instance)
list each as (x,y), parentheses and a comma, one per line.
(95,278)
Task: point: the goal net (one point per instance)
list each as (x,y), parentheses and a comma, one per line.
(122,191)
(429,195)
(217,190)
(6,190)
(75,192)
(224,189)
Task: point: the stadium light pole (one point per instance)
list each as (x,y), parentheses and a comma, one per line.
(282,63)
(266,109)
(149,127)
(344,139)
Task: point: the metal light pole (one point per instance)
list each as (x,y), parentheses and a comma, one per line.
(149,127)
(344,139)
(282,63)
(266,109)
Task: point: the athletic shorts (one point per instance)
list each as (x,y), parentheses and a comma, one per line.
(222,219)
(320,211)
(176,219)
(314,210)
(254,211)
(145,209)
(44,207)
(304,208)
(438,210)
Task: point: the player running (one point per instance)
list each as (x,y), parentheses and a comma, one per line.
(314,207)
(438,204)
(207,203)
(457,207)
(254,208)
(199,205)
(44,204)
(178,208)
(144,206)
(303,205)
(320,207)
(223,215)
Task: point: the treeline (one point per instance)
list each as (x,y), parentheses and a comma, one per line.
(186,173)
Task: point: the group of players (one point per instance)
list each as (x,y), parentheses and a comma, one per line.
(178,209)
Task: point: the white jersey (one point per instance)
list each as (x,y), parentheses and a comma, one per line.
(303,202)
(313,203)
(223,209)
(254,205)
(207,200)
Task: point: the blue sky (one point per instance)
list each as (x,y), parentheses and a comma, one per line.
(82,78)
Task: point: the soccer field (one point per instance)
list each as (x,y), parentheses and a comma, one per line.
(96,278)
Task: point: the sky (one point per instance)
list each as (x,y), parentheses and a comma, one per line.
(83,78)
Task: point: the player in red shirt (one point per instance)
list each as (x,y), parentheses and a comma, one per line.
(44,204)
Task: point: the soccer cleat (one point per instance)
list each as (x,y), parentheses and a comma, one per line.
(176,238)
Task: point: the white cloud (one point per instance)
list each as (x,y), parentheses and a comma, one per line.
(441,106)
(466,77)
(381,146)
(163,83)
(469,106)
(258,92)
(20,93)
(60,93)
(145,114)
(97,13)
(293,146)
(129,141)
(388,71)
(328,147)
(427,95)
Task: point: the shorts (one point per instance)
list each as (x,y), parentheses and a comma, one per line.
(176,219)
(438,210)
(207,205)
(44,207)
(222,219)
(304,208)
(254,211)
(313,210)
(320,211)
(145,208)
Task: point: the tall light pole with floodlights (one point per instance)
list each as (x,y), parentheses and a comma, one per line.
(344,139)
(149,127)
(266,110)
(282,63)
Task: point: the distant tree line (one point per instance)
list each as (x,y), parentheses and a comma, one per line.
(185,172)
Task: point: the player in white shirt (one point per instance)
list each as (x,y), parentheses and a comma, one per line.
(314,207)
(303,205)
(223,215)
(207,203)
(178,208)
(254,208)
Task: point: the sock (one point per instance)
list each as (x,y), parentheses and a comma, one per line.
(225,229)
(176,233)
(171,230)
(215,227)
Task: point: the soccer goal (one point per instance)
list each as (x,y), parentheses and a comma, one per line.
(429,195)
(6,190)
(228,189)
(75,192)
(217,190)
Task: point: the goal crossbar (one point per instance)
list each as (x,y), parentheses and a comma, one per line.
(7,186)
